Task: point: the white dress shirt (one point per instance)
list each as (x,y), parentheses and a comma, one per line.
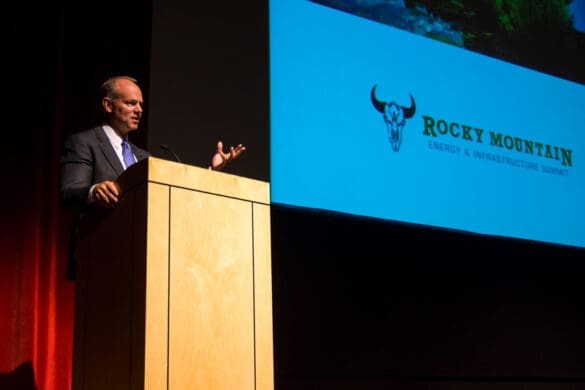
(116,142)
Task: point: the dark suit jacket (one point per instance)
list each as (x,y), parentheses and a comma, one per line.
(88,158)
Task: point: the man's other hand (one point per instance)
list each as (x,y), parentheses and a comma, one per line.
(106,193)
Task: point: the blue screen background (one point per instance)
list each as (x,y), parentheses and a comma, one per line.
(330,149)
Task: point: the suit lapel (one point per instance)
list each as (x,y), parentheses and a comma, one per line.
(109,151)
(139,153)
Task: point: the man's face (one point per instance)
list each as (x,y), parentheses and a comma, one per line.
(125,108)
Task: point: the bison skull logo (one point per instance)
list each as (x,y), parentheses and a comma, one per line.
(395,117)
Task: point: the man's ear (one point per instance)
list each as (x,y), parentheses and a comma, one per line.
(107,104)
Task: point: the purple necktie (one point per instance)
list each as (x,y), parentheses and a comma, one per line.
(127,154)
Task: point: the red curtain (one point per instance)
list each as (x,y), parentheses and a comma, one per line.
(36,300)
(36,304)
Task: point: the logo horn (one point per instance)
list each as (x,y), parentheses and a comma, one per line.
(377,104)
(409,112)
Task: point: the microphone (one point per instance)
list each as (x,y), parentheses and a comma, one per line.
(166,147)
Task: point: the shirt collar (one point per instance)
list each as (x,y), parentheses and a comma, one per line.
(114,137)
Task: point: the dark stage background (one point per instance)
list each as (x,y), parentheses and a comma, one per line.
(358,303)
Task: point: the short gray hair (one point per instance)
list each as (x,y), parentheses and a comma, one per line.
(108,87)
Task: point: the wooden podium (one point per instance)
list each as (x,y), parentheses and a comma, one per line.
(174,284)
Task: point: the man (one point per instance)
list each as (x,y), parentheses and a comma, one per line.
(93,159)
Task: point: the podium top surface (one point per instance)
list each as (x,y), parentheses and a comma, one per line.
(155,170)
